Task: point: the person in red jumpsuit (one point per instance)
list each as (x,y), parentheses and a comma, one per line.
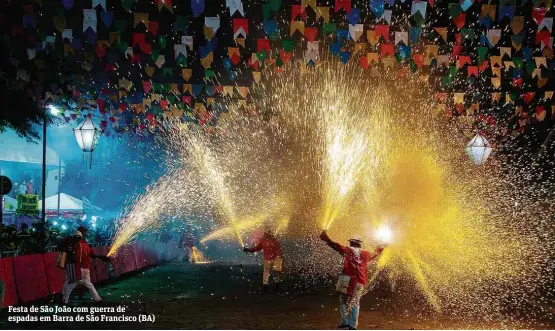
(78,264)
(273,258)
(354,277)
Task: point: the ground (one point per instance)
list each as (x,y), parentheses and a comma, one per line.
(224,296)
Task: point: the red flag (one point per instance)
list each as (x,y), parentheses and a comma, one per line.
(383,30)
(464,60)
(364,62)
(386,49)
(310,33)
(240,23)
(459,21)
(343,4)
(100,50)
(542,36)
(101,106)
(528,97)
(153,27)
(517,82)
(284,56)
(538,14)
(235,58)
(457,50)
(484,66)
(418,59)
(472,71)
(296,11)
(263,44)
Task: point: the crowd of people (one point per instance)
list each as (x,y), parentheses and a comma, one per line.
(30,240)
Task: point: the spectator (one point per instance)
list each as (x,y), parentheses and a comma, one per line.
(24,229)
(9,238)
(29,187)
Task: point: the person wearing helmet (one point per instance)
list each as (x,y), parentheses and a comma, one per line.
(273,257)
(353,278)
(75,257)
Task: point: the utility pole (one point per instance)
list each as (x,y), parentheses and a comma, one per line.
(59,182)
(43,218)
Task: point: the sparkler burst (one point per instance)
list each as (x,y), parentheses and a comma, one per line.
(367,155)
(380,139)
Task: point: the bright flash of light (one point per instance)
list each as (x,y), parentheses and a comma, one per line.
(54,110)
(384,234)
(282,225)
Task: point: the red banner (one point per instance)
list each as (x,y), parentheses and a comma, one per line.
(30,277)
(56,276)
(124,261)
(7,276)
(150,252)
(100,270)
(140,257)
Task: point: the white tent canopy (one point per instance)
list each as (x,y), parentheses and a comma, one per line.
(10,204)
(17,149)
(67,203)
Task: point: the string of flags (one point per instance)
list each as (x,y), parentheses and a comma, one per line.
(135,63)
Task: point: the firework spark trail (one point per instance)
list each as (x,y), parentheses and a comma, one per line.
(453,237)
(197,181)
(239,226)
(458,239)
(159,198)
(214,175)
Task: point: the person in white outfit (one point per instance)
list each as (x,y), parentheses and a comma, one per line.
(77,263)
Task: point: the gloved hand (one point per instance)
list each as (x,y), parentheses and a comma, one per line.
(245,249)
(324,235)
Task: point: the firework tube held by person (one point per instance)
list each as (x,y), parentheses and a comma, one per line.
(273,257)
(353,278)
(75,257)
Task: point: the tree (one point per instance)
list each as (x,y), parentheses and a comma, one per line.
(19,112)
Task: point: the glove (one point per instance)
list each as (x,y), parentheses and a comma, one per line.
(324,235)
(246,250)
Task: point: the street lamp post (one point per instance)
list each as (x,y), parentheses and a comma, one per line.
(45,107)
(43,216)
